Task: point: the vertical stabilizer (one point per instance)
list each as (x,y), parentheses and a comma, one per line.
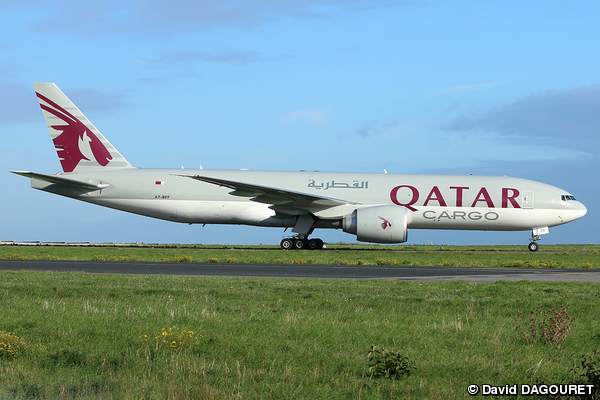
(79,145)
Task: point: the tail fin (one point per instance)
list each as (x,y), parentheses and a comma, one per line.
(79,145)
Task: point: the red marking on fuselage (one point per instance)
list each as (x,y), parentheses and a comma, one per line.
(410,197)
(67,143)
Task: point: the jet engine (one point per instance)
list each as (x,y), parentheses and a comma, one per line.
(378,224)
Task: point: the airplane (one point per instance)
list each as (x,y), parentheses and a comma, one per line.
(377,208)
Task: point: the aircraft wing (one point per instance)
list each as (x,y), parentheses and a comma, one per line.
(283,199)
(62,180)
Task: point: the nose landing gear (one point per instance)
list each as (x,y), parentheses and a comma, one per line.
(535,236)
(533,246)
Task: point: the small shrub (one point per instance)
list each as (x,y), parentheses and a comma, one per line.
(174,338)
(388,363)
(516,263)
(182,259)
(302,261)
(10,344)
(475,264)
(541,264)
(551,327)
(16,256)
(588,373)
(386,261)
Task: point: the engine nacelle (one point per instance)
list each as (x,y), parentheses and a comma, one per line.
(378,224)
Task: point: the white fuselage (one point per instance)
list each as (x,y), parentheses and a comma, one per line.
(433,201)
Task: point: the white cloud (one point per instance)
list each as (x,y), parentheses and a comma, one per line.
(371,129)
(567,118)
(160,16)
(244,13)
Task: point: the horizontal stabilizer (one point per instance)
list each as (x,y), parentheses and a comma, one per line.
(62,180)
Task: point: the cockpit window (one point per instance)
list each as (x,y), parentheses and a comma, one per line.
(567,197)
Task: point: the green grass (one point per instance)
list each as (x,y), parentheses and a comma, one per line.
(277,338)
(550,256)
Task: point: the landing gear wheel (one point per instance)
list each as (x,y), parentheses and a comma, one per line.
(287,244)
(315,244)
(533,246)
(299,244)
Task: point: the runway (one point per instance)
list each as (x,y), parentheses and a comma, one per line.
(408,273)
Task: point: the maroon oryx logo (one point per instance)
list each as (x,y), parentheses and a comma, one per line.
(76,142)
(385,224)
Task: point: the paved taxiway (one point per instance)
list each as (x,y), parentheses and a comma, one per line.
(421,273)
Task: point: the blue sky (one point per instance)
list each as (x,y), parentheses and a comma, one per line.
(457,87)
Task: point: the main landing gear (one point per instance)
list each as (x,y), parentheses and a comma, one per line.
(298,243)
(303,228)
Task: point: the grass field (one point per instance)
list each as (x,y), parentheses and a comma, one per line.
(88,336)
(550,256)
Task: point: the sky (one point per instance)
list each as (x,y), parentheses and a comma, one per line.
(495,87)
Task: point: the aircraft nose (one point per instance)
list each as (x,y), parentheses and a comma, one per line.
(571,210)
(576,210)
(581,209)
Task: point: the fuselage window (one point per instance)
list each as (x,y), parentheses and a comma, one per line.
(567,197)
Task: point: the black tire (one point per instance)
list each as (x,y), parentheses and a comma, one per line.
(313,244)
(287,244)
(299,244)
(533,246)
